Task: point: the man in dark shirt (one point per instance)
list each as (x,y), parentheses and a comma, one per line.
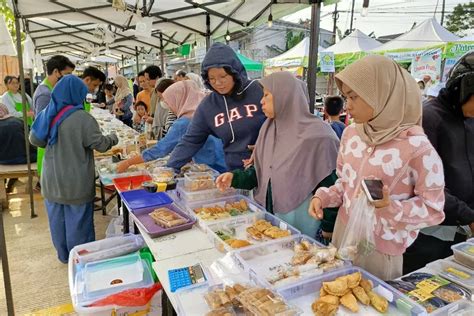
(332,107)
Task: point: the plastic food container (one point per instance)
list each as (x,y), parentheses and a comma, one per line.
(186,196)
(460,308)
(197,181)
(304,293)
(194,209)
(132,182)
(106,248)
(262,263)
(464,254)
(103,278)
(138,199)
(454,272)
(190,301)
(237,229)
(163,174)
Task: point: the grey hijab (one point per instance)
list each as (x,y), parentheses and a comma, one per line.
(295,150)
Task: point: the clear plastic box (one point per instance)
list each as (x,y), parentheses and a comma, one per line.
(464,254)
(454,272)
(252,206)
(198,181)
(237,227)
(190,301)
(162,174)
(262,262)
(106,248)
(459,308)
(304,293)
(194,196)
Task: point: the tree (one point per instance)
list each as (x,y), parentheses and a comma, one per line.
(461,19)
(293,38)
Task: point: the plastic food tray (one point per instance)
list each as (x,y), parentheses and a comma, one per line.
(454,272)
(459,308)
(253,206)
(133,182)
(107,178)
(142,218)
(204,195)
(464,254)
(138,199)
(198,181)
(103,278)
(304,293)
(240,226)
(107,248)
(190,301)
(262,261)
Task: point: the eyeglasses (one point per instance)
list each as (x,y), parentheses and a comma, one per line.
(221,79)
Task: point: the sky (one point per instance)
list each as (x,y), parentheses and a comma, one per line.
(384,16)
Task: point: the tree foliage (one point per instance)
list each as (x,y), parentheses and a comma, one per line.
(9,17)
(461,19)
(293,38)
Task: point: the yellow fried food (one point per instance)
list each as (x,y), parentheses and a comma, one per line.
(300,258)
(322,292)
(350,302)
(243,205)
(361,295)
(353,279)
(254,233)
(378,302)
(237,243)
(337,287)
(366,285)
(324,309)
(262,225)
(331,299)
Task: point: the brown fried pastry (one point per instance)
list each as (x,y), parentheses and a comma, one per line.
(324,309)
(331,299)
(322,292)
(275,232)
(337,287)
(361,295)
(239,288)
(353,279)
(262,225)
(300,258)
(350,302)
(254,233)
(237,243)
(378,302)
(366,285)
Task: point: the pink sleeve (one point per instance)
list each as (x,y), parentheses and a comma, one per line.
(332,196)
(426,207)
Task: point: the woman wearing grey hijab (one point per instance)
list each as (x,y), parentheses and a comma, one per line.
(295,153)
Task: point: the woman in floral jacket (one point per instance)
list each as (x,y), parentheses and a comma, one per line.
(387,143)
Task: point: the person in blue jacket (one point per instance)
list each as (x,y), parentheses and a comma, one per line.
(182,98)
(232,112)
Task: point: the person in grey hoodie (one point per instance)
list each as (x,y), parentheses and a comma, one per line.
(70,135)
(231,112)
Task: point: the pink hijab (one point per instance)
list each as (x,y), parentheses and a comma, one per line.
(183,98)
(295,150)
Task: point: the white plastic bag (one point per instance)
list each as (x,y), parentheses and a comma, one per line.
(358,239)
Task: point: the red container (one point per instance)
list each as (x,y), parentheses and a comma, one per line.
(131,182)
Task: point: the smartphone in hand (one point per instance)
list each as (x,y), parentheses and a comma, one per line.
(373,188)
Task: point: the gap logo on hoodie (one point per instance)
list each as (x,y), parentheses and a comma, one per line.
(235,114)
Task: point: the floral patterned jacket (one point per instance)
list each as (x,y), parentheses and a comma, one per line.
(413,171)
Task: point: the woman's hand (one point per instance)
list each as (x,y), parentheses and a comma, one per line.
(385,201)
(315,208)
(122,166)
(224,181)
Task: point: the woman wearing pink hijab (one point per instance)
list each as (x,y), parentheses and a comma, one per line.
(182,98)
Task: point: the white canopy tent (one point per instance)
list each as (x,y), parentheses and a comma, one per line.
(469,38)
(7,48)
(428,34)
(83,26)
(355,42)
(297,56)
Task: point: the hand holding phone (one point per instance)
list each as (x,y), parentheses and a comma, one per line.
(376,192)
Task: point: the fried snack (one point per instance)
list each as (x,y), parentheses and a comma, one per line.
(239,288)
(275,232)
(231,293)
(262,225)
(300,258)
(260,301)
(220,312)
(337,287)
(378,302)
(350,302)
(336,263)
(237,243)
(255,233)
(166,218)
(330,299)
(322,292)
(353,279)
(217,299)
(366,285)
(219,212)
(324,309)
(361,295)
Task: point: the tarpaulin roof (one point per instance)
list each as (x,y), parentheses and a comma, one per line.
(77,25)
(355,42)
(249,64)
(297,56)
(427,34)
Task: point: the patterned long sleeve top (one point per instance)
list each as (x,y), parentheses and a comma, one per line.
(413,172)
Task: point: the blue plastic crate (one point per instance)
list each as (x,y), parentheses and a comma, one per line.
(139,199)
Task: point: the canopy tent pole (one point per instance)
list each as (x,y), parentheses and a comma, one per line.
(123,65)
(6,270)
(24,101)
(32,83)
(162,54)
(136,57)
(208,31)
(313,52)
